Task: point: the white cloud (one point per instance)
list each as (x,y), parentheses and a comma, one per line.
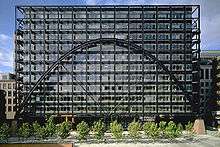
(4,40)
(6,51)
(4,37)
(149,2)
(137,2)
(6,57)
(210,32)
(91,2)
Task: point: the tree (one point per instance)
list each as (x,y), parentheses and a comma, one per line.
(162,127)
(64,129)
(151,130)
(35,127)
(133,129)
(116,129)
(146,127)
(24,131)
(82,130)
(50,127)
(172,130)
(189,126)
(4,133)
(99,129)
(38,131)
(180,127)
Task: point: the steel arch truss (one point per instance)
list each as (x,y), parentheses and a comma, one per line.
(119,42)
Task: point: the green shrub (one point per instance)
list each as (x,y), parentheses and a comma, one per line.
(82,130)
(189,126)
(151,130)
(38,131)
(50,127)
(42,134)
(162,127)
(172,130)
(133,129)
(146,127)
(24,131)
(99,129)
(64,129)
(35,128)
(180,127)
(116,129)
(4,133)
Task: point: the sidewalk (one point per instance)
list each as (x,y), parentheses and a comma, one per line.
(201,141)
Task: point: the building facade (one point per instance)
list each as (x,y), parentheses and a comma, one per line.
(108,79)
(2,105)
(209,83)
(7,84)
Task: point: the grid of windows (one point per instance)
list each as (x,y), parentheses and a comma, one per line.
(119,80)
(206,81)
(7,84)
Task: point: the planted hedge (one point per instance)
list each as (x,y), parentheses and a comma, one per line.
(189,126)
(134,129)
(82,130)
(172,130)
(98,130)
(4,133)
(63,130)
(24,131)
(50,127)
(39,131)
(116,130)
(151,130)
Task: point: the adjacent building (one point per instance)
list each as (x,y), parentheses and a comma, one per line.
(108,79)
(7,87)
(209,80)
(2,105)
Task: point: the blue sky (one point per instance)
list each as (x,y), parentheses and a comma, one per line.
(210,21)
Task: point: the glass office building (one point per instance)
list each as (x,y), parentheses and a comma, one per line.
(107,79)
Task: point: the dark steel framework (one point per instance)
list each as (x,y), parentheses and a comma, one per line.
(152,32)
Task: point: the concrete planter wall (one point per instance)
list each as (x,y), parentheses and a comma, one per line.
(36,145)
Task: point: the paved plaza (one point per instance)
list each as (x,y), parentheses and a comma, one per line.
(199,141)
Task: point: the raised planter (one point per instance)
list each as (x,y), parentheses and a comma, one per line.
(36,145)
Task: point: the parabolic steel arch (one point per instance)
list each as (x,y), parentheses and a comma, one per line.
(119,42)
